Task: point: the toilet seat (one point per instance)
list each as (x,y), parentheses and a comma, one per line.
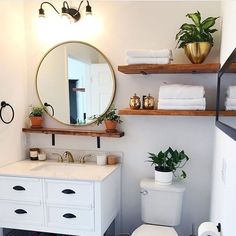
(154,230)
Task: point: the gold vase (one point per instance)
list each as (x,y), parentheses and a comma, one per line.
(197,52)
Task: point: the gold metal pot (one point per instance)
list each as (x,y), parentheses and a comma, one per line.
(148,102)
(197,52)
(135,102)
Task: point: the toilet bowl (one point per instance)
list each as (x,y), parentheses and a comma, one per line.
(161,208)
(154,230)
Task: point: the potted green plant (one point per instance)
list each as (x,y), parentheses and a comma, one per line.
(36,116)
(110,118)
(196,38)
(166,163)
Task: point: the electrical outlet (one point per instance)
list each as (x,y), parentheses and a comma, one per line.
(223,171)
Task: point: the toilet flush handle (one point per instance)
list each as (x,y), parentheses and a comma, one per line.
(144,192)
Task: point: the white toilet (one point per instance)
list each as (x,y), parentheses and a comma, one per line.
(161,208)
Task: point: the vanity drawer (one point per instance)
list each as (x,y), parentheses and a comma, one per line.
(21,213)
(70,218)
(20,189)
(79,193)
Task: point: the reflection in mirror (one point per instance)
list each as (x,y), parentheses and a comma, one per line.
(227,94)
(76,81)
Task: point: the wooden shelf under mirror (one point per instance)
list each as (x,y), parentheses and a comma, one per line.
(141,112)
(146,69)
(91,133)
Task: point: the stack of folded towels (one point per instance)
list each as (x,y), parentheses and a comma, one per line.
(163,56)
(181,97)
(230,102)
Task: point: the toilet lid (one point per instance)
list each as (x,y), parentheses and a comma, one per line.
(154,230)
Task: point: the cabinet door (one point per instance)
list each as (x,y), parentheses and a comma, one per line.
(70,218)
(14,213)
(78,193)
(20,189)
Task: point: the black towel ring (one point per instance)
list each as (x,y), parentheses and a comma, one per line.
(3,105)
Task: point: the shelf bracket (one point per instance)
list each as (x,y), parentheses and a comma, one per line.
(143,72)
(53,139)
(98,142)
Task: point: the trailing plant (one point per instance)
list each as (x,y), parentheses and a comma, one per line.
(169,160)
(36,111)
(200,31)
(109,115)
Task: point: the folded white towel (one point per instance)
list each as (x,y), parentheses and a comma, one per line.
(230,108)
(150,53)
(231,91)
(147,60)
(183,102)
(175,107)
(181,91)
(230,101)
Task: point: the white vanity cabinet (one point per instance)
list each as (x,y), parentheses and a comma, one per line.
(66,206)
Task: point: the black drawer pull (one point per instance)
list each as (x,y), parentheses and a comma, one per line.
(68,191)
(69,216)
(20,211)
(19,188)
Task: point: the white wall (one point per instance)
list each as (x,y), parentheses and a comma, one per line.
(223,187)
(13,79)
(140,25)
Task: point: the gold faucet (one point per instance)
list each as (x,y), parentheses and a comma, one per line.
(68,156)
(60,158)
(82,159)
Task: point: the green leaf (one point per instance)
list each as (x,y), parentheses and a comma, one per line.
(195,17)
(208,22)
(186,26)
(183,175)
(212,31)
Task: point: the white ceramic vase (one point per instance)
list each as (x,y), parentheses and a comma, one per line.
(163,178)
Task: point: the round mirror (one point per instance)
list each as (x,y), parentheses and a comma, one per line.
(75,81)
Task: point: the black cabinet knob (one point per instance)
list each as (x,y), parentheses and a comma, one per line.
(68,191)
(20,211)
(19,188)
(69,216)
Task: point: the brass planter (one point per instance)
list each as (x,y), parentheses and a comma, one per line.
(197,52)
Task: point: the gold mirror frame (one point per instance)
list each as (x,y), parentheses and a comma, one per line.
(111,70)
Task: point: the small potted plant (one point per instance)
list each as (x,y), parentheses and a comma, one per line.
(196,39)
(36,116)
(110,118)
(166,163)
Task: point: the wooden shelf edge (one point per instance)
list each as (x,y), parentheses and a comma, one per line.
(128,111)
(92,133)
(169,68)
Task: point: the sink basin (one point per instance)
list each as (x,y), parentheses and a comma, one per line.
(57,167)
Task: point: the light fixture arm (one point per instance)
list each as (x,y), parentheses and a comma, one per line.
(80,4)
(41,10)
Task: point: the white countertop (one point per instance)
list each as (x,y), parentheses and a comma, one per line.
(51,169)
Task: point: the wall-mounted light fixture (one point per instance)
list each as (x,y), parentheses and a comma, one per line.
(67,11)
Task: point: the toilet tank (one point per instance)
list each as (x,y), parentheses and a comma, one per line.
(161,205)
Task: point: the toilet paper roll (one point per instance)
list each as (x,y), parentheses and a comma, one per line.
(208,229)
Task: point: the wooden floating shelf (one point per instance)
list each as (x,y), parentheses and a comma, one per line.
(146,69)
(128,111)
(92,133)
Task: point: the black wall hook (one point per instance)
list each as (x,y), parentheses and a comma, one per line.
(3,105)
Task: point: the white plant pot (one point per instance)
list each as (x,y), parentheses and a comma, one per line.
(163,178)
